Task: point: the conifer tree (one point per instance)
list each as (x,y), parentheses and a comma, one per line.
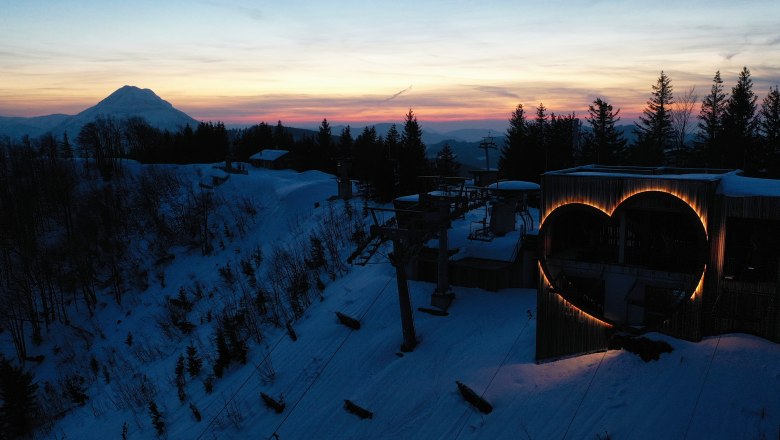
(67,148)
(770,128)
(539,153)
(223,353)
(366,154)
(412,161)
(179,370)
(194,363)
(513,163)
(282,139)
(740,124)
(390,176)
(325,153)
(180,380)
(709,142)
(19,413)
(655,132)
(562,139)
(393,141)
(604,144)
(157,419)
(345,144)
(446,164)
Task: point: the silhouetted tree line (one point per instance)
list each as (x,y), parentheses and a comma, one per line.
(388,166)
(732,132)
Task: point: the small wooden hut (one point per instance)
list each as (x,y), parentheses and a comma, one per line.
(271,159)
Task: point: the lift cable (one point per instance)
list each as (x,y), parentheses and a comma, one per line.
(701,389)
(495,373)
(265,358)
(317,376)
(587,390)
(240,387)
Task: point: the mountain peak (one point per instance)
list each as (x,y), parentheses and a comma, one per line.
(132,97)
(126,101)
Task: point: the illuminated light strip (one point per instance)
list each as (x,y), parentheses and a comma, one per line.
(582,201)
(569,304)
(699,287)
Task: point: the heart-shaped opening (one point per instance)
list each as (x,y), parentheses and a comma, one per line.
(634,267)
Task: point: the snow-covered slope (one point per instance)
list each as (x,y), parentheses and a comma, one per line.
(724,387)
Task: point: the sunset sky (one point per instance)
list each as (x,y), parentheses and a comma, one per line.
(369,61)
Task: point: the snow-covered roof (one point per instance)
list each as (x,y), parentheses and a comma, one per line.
(268,155)
(645,172)
(515,185)
(409,198)
(416,197)
(734,185)
(688,176)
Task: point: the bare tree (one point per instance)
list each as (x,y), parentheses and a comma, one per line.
(681,115)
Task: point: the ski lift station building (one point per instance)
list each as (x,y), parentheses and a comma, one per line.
(686,252)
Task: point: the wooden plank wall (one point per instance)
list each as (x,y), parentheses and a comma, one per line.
(741,306)
(608,192)
(562,329)
(719,306)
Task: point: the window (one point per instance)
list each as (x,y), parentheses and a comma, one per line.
(752,249)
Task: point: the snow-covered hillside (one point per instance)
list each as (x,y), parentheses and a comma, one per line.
(724,387)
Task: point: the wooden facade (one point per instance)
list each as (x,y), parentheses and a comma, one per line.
(627,249)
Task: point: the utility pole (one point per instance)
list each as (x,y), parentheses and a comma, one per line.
(399,259)
(487,144)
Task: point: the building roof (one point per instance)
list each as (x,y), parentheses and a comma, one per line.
(270,155)
(731,183)
(734,185)
(710,174)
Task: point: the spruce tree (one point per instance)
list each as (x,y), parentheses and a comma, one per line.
(180,380)
(393,141)
(385,178)
(157,419)
(223,353)
(19,413)
(282,139)
(740,125)
(562,139)
(539,153)
(344,150)
(513,162)
(655,131)
(366,154)
(709,142)
(67,148)
(446,164)
(194,363)
(604,144)
(770,128)
(324,155)
(412,161)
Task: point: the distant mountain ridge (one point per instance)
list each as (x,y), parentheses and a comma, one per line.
(125,102)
